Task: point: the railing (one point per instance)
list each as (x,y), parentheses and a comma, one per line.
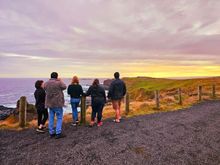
(23,103)
(180,100)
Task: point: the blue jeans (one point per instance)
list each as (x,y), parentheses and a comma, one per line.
(74,104)
(59,116)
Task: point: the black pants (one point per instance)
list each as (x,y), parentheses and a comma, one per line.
(42,116)
(97,109)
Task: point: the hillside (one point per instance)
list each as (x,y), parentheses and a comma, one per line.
(145,86)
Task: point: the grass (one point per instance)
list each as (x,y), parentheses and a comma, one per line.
(145,86)
(141,90)
(159,84)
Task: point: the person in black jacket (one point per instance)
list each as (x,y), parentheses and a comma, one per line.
(75,91)
(42,112)
(117,91)
(98,101)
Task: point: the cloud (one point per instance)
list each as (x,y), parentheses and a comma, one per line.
(91,32)
(78,30)
(27,56)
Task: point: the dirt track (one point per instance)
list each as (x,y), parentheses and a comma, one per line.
(182,137)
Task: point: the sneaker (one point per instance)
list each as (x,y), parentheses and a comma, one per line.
(99,124)
(77,122)
(116,121)
(74,124)
(58,136)
(92,123)
(52,135)
(40,130)
(44,127)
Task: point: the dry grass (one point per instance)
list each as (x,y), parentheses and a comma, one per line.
(142,102)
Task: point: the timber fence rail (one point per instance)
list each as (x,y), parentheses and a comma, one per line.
(201,92)
(212,94)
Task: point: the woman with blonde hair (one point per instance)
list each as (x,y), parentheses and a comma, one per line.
(75,91)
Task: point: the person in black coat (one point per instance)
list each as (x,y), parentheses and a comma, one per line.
(98,96)
(75,91)
(117,91)
(42,112)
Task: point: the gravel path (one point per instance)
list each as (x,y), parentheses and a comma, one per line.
(189,137)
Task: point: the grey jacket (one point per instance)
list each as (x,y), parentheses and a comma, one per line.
(54,93)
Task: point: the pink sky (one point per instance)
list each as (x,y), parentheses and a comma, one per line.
(95,38)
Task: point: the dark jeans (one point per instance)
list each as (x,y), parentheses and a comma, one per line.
(97,109)
(42,116)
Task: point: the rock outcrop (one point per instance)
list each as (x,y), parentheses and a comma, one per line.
(6,112)
(107,83)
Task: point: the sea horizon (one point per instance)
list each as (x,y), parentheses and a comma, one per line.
(14,88)
(84,78)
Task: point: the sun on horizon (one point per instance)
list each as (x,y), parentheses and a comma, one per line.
(95,38)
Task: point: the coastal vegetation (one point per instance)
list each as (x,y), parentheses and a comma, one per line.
(142,98)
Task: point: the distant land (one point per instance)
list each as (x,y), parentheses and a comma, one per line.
(142,95)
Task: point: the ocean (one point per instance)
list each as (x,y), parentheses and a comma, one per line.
(11,89)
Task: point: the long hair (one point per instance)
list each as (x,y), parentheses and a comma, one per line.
(95,82)
(75,80)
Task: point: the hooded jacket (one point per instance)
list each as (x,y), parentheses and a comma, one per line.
(54,93)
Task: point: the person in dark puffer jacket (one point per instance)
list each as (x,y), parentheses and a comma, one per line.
(117,91)
(42,112)
(98,96)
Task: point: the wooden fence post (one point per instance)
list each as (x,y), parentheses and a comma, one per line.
(22,111)
(127,102)
(157,99)
(83,110)
(200,93)
(213,91)
(180,96)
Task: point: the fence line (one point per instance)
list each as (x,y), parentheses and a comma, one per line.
(200,93)
(213,91)
(22,111)
(127,103)
(83,110)
(157,99)
(23,103)
(180,96)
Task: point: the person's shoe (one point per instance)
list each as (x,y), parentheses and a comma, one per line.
(77,122)
(59,136)
(74,124)
(52,135)
(92,123)
(40,130)
(44,127)
(116,121)
(99,124)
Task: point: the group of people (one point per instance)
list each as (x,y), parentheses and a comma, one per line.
(49,95)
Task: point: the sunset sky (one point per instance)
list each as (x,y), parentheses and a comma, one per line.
(95,38)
